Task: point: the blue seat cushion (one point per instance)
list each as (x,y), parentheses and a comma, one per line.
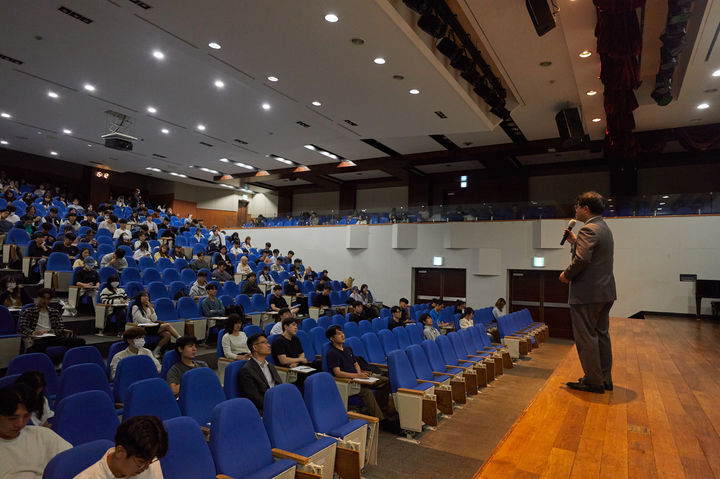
(315,447)
(422,386)
(347,428)
(272,470)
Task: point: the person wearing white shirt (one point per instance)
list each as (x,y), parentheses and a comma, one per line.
(134,337)
(109,223)
(139,444)
(142,251)
(467,320)
(236,249)
(498,308)
(283,314)
(234,341)
(152,227)
(24,451)
(123,231)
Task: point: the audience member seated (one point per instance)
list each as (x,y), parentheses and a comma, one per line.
(322,301)
(236,248)
(250,286)
(357,312)
(429,329)
(467,320)
(436,306)
(35,380)
(246,244)
(186,347)
(13,295)
(5,224)
(67,246)
(221,257)
(497,310)
(142,251)
(197,290)
(88,279)
(257,375)
(80,261)
(404,305)
(72,222)
(116,260)
(295,292)
(287,350)
(282,315)
(342,364)
(143,314)
(395,318)
(234,341)
(122,234)
(211,306)
(41,325)
(140,442)
(151,227)
(277,302)
(142,237)
(24,450)
(201,262)
(309,274)
(459,306)
(265,278)
(163,252)
(39,249)
(89,238)
(134,336)
(277,266)
(215,240)
(109,223)
(115,296)
(243,267)
(220,274)
(178,252)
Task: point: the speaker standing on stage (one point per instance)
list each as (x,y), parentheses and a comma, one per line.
(592,293)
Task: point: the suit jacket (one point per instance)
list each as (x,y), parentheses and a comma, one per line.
(591,271)
(252,382)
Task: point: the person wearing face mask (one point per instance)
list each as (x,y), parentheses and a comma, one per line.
(135,339)
(12,294)
(114,295)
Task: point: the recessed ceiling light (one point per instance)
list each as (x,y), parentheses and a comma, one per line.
(67,132)
(379,60)
(266,106)
(5,115)
(89,145)
(584,53)
(178,174)
(53,153)
(89,87)
(224,160)
(331,17)
(597,120)
(219,83)
(272,78)
(591,93)
(208,170)
(214,45)
(52,94)
(310,147)
(158,54)
(666,197)
(716,73)
(316,103)
(3,142)
(414,91)
(703,106)
(151,109)
(153,169)
(201,127)
(165,131)
(226,186)
(661,203)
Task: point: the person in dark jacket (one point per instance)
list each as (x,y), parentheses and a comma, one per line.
(257,375)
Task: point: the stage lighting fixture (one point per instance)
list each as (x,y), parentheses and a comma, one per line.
(420,6)
(432,25)
(448,47)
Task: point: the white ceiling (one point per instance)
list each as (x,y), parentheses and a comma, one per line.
(314,60)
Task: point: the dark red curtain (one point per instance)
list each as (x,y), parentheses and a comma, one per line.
(619,43)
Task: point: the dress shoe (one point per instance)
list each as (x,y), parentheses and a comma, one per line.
(608,385)
(582,386)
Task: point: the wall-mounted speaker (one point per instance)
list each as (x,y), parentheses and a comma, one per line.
(541,16)
(569,124)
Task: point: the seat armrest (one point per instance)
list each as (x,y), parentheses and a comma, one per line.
(222,476)
(384,366)
(411,391)
(282,368)
(356,415)
(306,475)
(458,367)
(435,373)
(342,380)
(226,360)
(282,454)
(420,381)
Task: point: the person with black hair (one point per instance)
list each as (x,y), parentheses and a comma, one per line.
(12,294)
(467,319)
(142,251)
(143,314)
(197,290)
(357,311)
(211,306)
(403,303)
(140,442)
(163,252)
(282,315)
(277,302)
(115,296)
(67,246)
(265,278)
(80,261)
(71,221)
(109,223)
(257,375)
(234,341)
(5,224)
(342,364)
(41,325)
(24,451)
(459,306)
(250,285)
(52,217)
(221,256)
(277,266)
(201,262)
(116,260)
(322,301)
(134,337)
(122,234)
(178,252)
(41,412)
(220,274)
(287,350)
(429,329)
(186,348)
(395,318)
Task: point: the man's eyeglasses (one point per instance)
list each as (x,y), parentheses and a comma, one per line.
(140,464)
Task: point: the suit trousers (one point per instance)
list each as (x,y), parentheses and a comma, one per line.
(590,324)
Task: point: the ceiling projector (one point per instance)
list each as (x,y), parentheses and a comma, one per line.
(119,141)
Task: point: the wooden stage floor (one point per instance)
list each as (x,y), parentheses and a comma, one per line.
(661,420)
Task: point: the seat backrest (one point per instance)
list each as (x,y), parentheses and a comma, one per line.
(188,454)
(18,236)
(251,329)
(181,264)
(323,402)
(230,382)
(151,397)
(165,309)
(200,392)
(151,275)
(130,274)
(481,337)
(157,290)
(415,333)
(258,302)
(163,263)
(379,324)
(72,462)
(132,288)
(365,326)
(447,351)
(351,329)
(130,370)
(58,262)
(419,362)
(324,322)
(239,442)
(231,288)
(468,340)
(307,324)
(187,308)
(7,323)
(307,344)
(146,262)
(400,371)
(357,346)
(387,339)
(433,355)
(83,377)
(188,276)
(402,337)
(244,301)
(8,379)
(169,359)
(169,275)
(289,428)
(105,272)
(86,416)
(318,338)
(374,349)
(458,344)
(36,362)
(176,286)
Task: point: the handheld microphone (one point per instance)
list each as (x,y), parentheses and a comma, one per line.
(570,226)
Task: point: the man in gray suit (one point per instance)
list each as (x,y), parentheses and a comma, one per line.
(592,293)
(257,375)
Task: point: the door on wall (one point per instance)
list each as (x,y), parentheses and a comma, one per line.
(242,212)
(544,296)
(448,284)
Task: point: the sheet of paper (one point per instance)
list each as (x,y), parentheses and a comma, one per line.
(303,369)
(46,335)
(366,381)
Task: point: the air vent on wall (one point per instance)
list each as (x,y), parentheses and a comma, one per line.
(141,4)
(445,141)
(441,114)
(206,144)
(241,141)
(159,156)
(379,146)
(351,123)
(11,59)
(75,15)
(303,124)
